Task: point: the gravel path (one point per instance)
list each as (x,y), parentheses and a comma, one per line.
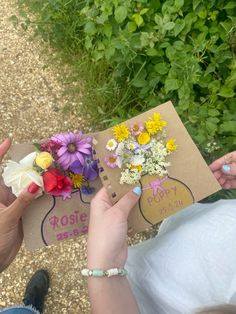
(31,108)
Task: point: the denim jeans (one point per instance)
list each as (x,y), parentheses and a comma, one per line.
(20,309)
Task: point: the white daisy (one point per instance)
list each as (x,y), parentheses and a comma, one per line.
(111,145)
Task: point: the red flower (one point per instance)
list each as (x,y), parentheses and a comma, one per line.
(56,184)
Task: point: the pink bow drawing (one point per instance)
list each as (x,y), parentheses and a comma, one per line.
(155,186)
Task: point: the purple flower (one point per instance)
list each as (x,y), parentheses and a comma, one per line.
(87,190)
(73,147)
(89,169)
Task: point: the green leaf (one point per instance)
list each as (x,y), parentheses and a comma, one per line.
(179,3)
(170,53)
(107,29)
(230,5)
(213,112)
(162,68)
(168,26)
(211,68)
(158,19)
(120,14)
(138,19)
(90,28)
(196,4)
(214,86)
(200,138)
(226,91)
(202,14)
(228,126)
(179,26)
(211,127)
(151,52)
(109,52)
(132,26)
(139,82)
(37,146)
(171,84)
(144,11)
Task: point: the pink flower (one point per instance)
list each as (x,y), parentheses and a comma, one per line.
(111,160)
(136,128)
(51,147)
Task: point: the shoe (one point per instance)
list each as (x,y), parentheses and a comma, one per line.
(36,290)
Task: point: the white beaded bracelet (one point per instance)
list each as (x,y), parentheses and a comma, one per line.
(103,273)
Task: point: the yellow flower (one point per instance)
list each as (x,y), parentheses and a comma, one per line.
(138,167)
(155,124)
(121,132)
(77,180)
(144,138)
(44,160)
(170,145)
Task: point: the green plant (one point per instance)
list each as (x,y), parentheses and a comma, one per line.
(145,52)
(132,55)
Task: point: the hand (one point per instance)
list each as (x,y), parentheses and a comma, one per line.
(11,211)
(6,196)
(224,169)
(107,246)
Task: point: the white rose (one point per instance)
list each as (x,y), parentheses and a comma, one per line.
(18,175)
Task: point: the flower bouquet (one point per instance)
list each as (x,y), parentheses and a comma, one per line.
(140,149)
(60,165)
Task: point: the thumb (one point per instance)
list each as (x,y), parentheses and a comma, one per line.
(4,146)
(129,200)
(18,207)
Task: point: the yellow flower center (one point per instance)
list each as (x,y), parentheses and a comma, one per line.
(77,180)
(112,159)
(71,148)
(135,128)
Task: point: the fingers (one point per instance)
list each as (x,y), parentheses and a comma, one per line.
(128,201)
(229,184)
(16,210)
(4,146)
(225,160)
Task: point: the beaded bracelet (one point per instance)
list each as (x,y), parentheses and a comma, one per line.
(104,273)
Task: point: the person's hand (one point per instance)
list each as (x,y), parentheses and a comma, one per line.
(11,211)
(224,169)
(107,245)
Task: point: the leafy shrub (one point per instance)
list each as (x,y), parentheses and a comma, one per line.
(153,51)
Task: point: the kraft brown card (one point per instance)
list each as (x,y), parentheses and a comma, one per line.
(50,219)
(188,180)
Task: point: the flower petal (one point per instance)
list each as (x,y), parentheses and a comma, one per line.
(29,159)
(62,151)
(80,157)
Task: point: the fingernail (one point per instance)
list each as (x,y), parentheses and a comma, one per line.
(137,190)
(33,188)
(226,168)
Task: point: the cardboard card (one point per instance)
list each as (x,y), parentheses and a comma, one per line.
(189,178)
(49,219)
